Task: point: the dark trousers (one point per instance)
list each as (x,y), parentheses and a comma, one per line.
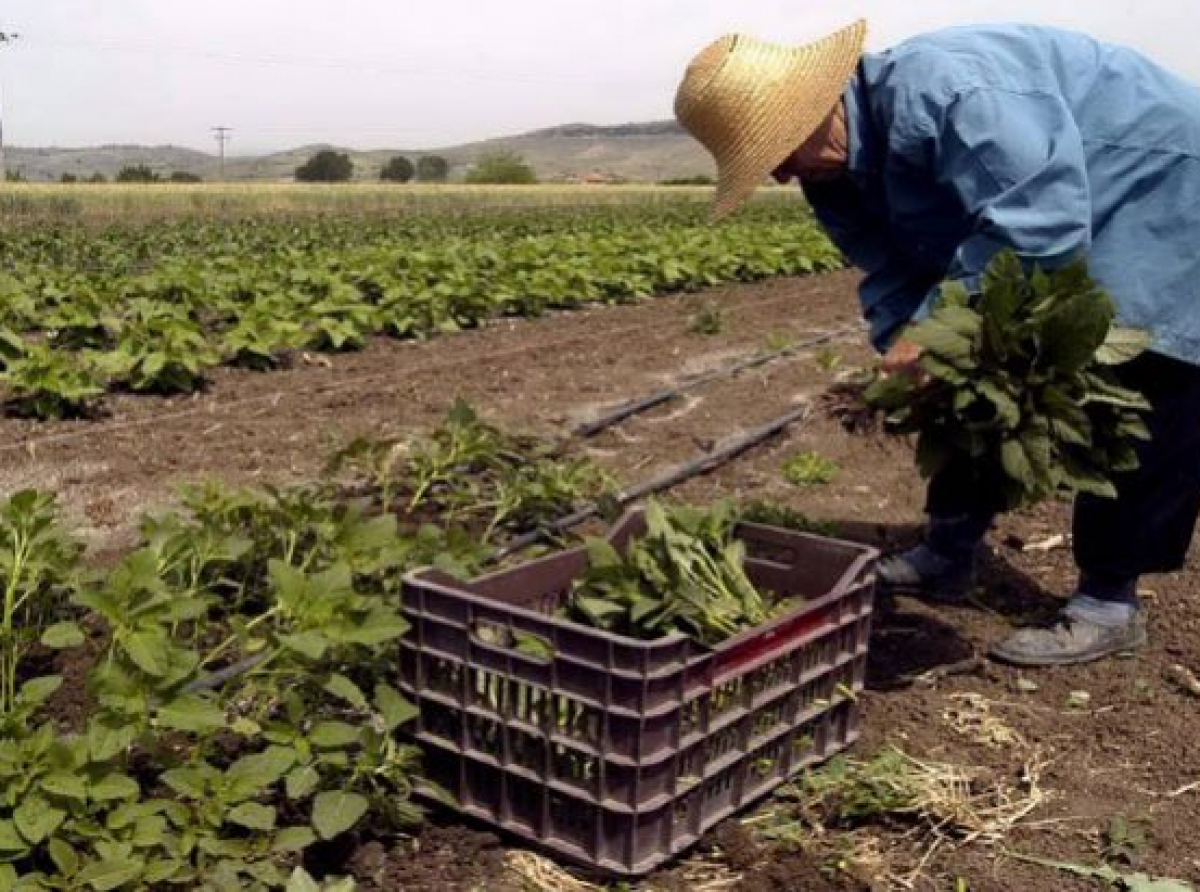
(1147,528)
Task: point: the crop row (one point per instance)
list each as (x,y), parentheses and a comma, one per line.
(238,705)
(153,309)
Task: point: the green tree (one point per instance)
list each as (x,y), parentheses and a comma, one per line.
(183,176)
(432,169)
(327,166)
(68,178)
(397,170)
(137,173)
(501,167)
(97,178)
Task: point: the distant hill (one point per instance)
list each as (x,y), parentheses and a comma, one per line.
(639,152)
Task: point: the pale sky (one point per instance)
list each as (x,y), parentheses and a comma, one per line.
(404,74)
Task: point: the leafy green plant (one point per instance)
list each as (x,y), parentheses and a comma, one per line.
(161,350)
(809,469)
(708,320)
(1019,384)
(777,515)
(47,383)
(685,574)
(1125,840)
(828,359)
(37,565)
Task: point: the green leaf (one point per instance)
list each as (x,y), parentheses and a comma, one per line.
(394,708)
(302,781)
(253,816)
(293,839)
(189,712)
(113,786)
(300,881)
(1131,882)
(149,652)
(189,782)
(309,644)
(106,742)
(36,818)
(11,842)
(334,735)
(1122,345)
(943,341)
(63,855)
(1016,463)
(336,812)
(340,686)
(251,775)
(39,690)
(63,635)
(109,874)
(68,786)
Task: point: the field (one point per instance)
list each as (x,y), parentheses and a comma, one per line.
(137,767)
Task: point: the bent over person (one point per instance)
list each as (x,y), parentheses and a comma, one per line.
(922,163)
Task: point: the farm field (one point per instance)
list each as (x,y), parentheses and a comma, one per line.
(1087,766)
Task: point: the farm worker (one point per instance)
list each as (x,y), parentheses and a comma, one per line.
(924,161)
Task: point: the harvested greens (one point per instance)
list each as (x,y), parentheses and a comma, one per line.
(685,574)
(1018,382)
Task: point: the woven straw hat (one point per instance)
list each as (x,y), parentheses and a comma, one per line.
(752,103)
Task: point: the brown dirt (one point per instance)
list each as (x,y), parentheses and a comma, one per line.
(1130,752)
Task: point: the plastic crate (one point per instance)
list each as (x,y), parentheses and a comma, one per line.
(619,753)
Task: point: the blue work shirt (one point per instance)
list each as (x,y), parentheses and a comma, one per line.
(966,141)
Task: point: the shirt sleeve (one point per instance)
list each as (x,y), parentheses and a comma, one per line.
(892,288)
(1016,163)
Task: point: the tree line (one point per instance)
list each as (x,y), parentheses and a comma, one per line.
(328,166)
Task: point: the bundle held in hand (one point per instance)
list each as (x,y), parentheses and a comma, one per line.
(1017,383)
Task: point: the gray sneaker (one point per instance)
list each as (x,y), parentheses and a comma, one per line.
(1070,640)
(923,573)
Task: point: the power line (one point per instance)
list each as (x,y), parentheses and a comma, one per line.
(6,37)
(222,137)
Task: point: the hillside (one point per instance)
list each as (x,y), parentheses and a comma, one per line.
(642,152)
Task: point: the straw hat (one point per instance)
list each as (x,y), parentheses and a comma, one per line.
(752,103)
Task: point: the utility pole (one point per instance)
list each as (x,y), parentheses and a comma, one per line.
(6,37)
(222,137)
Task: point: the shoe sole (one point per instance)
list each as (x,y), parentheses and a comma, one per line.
(1016,659)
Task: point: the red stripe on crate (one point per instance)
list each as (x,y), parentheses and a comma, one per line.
(771,641)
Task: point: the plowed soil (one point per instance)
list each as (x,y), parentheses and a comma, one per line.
(1112,740)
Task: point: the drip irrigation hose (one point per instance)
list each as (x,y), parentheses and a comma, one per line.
(722,453)
(642,404)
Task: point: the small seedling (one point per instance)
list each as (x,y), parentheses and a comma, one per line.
(809,469)
(1124,840)
(708,320)
(828,359)
(778,340)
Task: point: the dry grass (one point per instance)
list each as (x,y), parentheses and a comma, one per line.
(104,203)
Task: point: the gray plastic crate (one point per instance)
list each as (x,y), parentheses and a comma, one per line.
(619,753)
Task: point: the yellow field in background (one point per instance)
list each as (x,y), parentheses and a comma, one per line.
(108,202)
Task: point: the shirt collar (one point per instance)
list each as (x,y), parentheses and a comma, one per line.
(861,143)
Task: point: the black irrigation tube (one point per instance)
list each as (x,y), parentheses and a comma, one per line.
(642,404)
(722,453)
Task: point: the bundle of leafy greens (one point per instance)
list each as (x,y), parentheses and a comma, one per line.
(685,574)
(1018,382)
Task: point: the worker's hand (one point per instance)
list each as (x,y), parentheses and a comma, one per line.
(902,358)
